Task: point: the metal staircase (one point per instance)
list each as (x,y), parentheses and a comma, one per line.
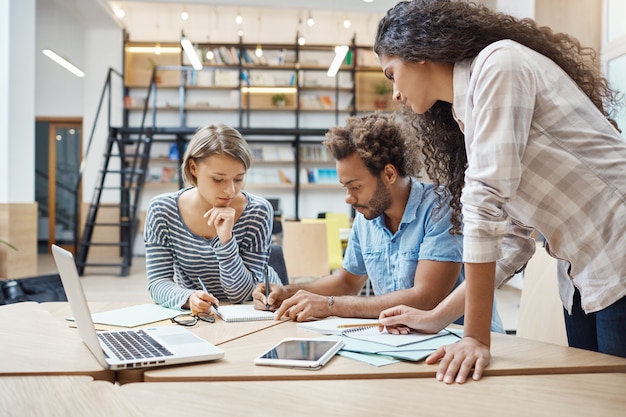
(123,171)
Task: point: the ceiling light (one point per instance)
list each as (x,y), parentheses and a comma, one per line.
(310,21)
(209,55)
(238,18)
(190,51)
(154,49)
(340,54)
(301,40)
(120,13)
(64,63)
(184,15)
(347,23)
(258,52)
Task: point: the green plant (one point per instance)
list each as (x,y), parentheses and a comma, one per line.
(8,244)
(383,87)
(279,100)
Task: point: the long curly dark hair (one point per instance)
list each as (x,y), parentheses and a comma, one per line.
(448,31)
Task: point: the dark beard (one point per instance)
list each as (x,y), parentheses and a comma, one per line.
(380,202)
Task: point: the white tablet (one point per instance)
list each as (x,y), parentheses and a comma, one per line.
(300,353)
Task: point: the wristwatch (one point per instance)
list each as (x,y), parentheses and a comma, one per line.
(331,302)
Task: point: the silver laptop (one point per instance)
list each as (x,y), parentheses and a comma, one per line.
(135,348)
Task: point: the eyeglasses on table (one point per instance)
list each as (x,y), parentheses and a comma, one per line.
(188,319)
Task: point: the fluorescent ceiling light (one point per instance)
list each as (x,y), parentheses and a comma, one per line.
(340,54)
(154,49)
(286,90)
(191,53)
(64,63)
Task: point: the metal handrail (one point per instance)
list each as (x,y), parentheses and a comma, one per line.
(105,89)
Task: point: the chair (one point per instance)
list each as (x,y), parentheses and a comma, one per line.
(277,261)
(333,240)
(541,310)
(305,249)
(341,217)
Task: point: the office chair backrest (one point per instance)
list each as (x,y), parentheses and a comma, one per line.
(277,261)
(333,240)
(305,249)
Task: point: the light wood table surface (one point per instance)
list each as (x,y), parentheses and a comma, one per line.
(33,342)
(573,395)
(63,396)
(217,333)
(511,355)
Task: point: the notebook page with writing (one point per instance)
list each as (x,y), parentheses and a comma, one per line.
(371,334)
(331,325)
(242,312)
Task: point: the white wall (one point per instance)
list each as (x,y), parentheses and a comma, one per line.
(17,98)
(59,92)
(102,51)
(517,8)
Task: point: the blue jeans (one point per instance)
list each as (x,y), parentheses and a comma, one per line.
(603,331)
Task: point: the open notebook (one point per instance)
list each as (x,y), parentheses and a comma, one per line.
(242,312)
(122,349)
(368,333)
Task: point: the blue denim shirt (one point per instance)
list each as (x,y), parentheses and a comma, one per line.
(390,260)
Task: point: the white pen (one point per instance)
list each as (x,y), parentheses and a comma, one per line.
(206,291)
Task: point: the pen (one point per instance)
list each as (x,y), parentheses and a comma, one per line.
(205,290)
(349,326)
(267,288)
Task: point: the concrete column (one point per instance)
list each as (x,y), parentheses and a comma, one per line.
(18,210)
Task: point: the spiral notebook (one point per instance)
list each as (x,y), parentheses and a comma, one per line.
(368,333)
(242,312)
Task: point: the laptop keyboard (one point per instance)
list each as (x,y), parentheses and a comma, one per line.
(137,344)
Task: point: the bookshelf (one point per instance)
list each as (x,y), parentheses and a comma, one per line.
(283,102)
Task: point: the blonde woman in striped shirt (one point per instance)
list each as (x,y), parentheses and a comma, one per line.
(212,231)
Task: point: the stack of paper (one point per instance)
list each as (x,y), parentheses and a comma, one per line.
(368,344)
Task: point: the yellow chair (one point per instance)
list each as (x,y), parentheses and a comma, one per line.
(333,240)
(341,217)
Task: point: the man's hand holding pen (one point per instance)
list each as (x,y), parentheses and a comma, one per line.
(268,296)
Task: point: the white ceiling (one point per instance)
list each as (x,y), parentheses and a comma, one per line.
(99,13)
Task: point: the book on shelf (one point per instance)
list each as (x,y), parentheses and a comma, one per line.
(327,102)
(169,174)
(272,152)
(322,176)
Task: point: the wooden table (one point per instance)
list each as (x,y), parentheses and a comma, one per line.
(66,396)
(33,342)
(598,395)
(217,333)
(511,355)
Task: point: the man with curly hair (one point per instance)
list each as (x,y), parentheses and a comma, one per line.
(400,237)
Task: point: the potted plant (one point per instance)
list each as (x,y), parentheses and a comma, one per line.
(382,88)
(279,100)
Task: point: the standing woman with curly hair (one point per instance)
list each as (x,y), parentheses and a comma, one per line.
(515,121)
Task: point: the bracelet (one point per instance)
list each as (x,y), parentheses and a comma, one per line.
(331,302)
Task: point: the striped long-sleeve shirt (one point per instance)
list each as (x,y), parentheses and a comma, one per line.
(176,257)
